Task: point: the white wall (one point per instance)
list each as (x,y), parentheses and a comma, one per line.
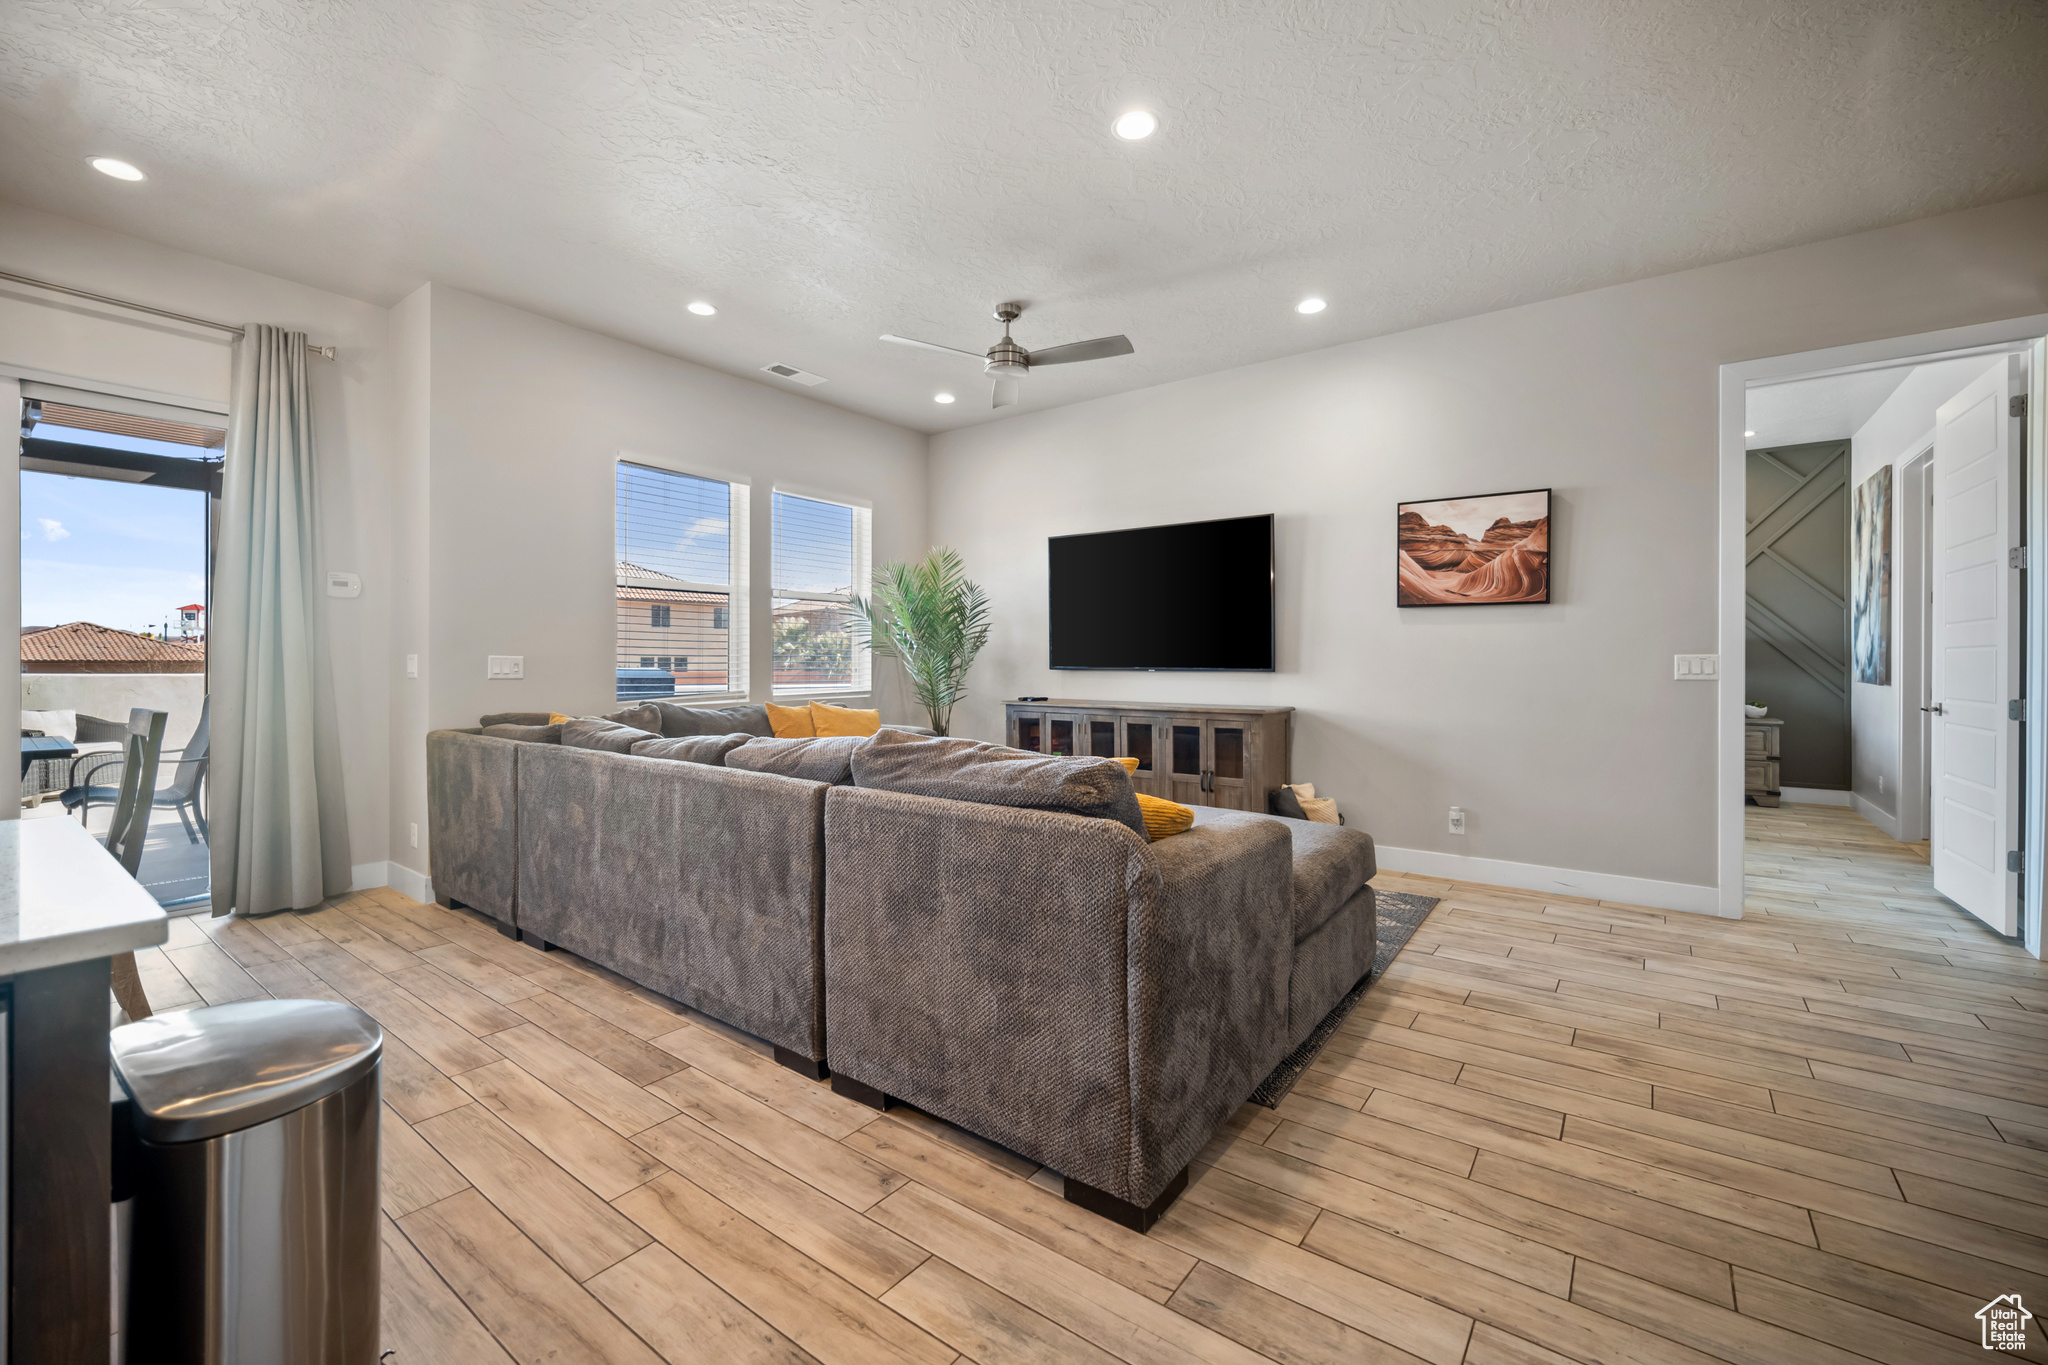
(1582,765)
(47,337)
(1900,429)
(525,420)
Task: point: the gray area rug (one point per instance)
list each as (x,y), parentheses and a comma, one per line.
(1399,916)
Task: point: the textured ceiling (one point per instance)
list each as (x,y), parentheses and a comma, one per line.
(828,171)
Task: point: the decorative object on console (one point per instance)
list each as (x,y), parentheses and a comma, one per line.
(931,618)
(1870,596)
(1755,712)
(1461,552)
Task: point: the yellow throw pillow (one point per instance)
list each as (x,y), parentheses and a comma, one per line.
(557,718)
(1130,765)
(790,722)
(1164,817)
(842,720)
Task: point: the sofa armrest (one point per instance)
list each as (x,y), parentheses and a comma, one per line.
(1210,956)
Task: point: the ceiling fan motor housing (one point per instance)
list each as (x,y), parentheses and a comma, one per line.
(1008,360)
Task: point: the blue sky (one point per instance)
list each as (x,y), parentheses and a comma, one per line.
(120,554)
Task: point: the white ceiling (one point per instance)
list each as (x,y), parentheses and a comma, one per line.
(1832,408)
(825,171)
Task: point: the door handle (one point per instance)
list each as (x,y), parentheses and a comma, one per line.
(1936,709)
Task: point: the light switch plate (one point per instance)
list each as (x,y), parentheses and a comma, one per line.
(505,666)
(1696,667)
(341,584)
(412,665)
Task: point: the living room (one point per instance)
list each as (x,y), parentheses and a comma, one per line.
(512,297)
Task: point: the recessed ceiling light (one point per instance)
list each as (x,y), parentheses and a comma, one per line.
(120,170)
(1310,306)
(942,398)
(702,309)
(1747,434)
(1135,126)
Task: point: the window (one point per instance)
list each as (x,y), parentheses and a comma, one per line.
(681,552)
(821,560)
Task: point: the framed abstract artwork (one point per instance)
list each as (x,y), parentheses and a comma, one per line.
(1473,552)
(1870,579)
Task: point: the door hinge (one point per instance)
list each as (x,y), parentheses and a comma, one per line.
(2016,709)
(2017,407)
(2015,861)
(2016,557)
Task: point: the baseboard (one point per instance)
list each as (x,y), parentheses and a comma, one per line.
(363,876)
(408,882)
(1870,811)
(1816,796)
(1605,886)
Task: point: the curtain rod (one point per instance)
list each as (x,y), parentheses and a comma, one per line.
(324,352)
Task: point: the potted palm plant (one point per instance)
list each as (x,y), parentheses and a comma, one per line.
(933,620)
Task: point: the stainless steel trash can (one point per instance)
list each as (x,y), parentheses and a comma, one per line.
(255,1235)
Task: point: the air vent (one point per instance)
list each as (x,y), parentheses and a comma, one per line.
(793,374)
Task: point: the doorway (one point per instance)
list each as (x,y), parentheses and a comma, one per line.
(119,511)
(1944,516)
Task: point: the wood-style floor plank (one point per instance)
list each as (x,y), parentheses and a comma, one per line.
(1558,1130)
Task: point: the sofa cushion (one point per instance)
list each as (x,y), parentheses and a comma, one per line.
(814,760)
(844,720)
(645,716)
(594,732)
(678,721)
(1330,863)
(516,718)
(790,722)
(530,734)
(710,749)
(991,775)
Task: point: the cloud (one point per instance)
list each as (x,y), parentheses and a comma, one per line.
(52,530)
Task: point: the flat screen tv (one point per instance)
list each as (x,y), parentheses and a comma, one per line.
(1196,596)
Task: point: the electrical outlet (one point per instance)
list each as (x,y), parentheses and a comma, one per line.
(412,665)
(1457,819)
(1880,784)
(415,834)
(505,666)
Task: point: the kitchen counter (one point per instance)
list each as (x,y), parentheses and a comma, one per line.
(64,899)
(66,909)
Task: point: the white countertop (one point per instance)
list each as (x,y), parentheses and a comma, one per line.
(64,899)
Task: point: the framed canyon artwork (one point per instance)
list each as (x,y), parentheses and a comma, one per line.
(1474,552)
(1870,579)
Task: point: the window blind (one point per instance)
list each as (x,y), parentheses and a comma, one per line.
(676,584)
(821,559)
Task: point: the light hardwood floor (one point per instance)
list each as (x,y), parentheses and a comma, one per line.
(1558,1130)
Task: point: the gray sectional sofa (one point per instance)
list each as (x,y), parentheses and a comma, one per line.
(985,934)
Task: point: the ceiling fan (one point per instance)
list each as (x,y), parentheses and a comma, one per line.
(1009,362)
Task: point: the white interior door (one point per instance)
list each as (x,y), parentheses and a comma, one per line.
(1975,749)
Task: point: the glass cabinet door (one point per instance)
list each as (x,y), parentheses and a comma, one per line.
(1228,763)
(1027,732)
(1059,735)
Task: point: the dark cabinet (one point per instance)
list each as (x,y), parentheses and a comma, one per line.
(1227,756)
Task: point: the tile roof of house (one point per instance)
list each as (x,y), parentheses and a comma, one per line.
(83,647)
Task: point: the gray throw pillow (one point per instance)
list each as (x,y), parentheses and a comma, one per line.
(678,721)
(646,716)
(710,749)
(593,732)
(829,759)
(515,718)
(968,770)
(531,734)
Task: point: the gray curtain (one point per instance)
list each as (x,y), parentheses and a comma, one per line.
(280,827)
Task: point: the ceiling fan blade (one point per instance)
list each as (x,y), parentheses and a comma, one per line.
(1099,349)
(933,346)
(1005,393)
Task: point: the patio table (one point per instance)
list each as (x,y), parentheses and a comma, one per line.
(34,747)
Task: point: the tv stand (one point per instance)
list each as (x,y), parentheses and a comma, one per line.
(1232,757)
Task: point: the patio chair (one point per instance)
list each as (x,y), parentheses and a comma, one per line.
(188,781)
(132,799)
